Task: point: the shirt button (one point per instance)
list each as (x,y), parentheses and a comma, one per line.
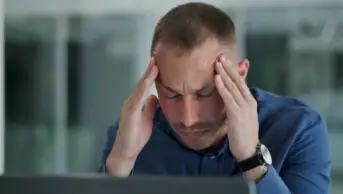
(212,157)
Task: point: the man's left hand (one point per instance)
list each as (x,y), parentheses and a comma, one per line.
(242,117)
(241,109)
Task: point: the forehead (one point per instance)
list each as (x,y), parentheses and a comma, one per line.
(187,69)
(209,50)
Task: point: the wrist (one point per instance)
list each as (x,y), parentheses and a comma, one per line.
(255,165)
(119,166)
(246,152)
(256,174)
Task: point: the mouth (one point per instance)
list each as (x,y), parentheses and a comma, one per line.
(194,133)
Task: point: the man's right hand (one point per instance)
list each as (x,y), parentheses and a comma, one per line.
(135,125)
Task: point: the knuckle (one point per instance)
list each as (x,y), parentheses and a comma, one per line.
(253,103)
(241,83)
(128,104)
(125,105)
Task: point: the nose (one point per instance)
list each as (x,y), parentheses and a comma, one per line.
(189,111)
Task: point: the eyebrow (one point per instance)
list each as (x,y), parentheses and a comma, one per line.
(168,88)
(198,90)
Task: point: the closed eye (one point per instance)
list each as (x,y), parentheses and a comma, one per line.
(174,96)
(206,91)
(205,94)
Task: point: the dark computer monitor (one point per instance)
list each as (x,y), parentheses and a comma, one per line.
(98,184)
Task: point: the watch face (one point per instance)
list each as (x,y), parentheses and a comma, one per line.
(266,154)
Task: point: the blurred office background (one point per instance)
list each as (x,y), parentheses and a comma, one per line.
(69,65)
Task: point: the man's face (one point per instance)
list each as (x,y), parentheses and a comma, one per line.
(187,93)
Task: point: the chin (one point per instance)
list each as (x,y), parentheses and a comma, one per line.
(197,146)
(197,141)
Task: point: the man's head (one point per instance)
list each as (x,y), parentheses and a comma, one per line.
(186,44)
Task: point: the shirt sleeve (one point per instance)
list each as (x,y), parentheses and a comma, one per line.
(307,165)
(111,135)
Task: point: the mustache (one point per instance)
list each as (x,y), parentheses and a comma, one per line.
(195,127)
(201,126)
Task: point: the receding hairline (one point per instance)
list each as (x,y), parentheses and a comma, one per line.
(225,42)
(225,47)
(189,25)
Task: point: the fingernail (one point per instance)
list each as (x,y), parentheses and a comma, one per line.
(222,58)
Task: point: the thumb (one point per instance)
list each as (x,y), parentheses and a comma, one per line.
(150,107)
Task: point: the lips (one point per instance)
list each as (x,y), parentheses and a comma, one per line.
(194,132)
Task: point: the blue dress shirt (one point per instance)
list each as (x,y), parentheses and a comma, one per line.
(295,134)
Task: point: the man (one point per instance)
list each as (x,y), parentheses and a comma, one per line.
(207,122)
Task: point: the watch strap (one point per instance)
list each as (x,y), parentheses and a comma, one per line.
(252,162)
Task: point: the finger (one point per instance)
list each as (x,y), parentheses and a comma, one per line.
(225,94)
(138,96)
(150,107)
(229,84)
(148,69)
(144,87)
(232,71)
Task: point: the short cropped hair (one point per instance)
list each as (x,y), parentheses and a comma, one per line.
(189,25)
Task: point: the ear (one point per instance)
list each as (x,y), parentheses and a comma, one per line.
(243,68)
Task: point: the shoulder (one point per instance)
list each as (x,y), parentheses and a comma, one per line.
(274,105)
(291,115)
(291,124)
